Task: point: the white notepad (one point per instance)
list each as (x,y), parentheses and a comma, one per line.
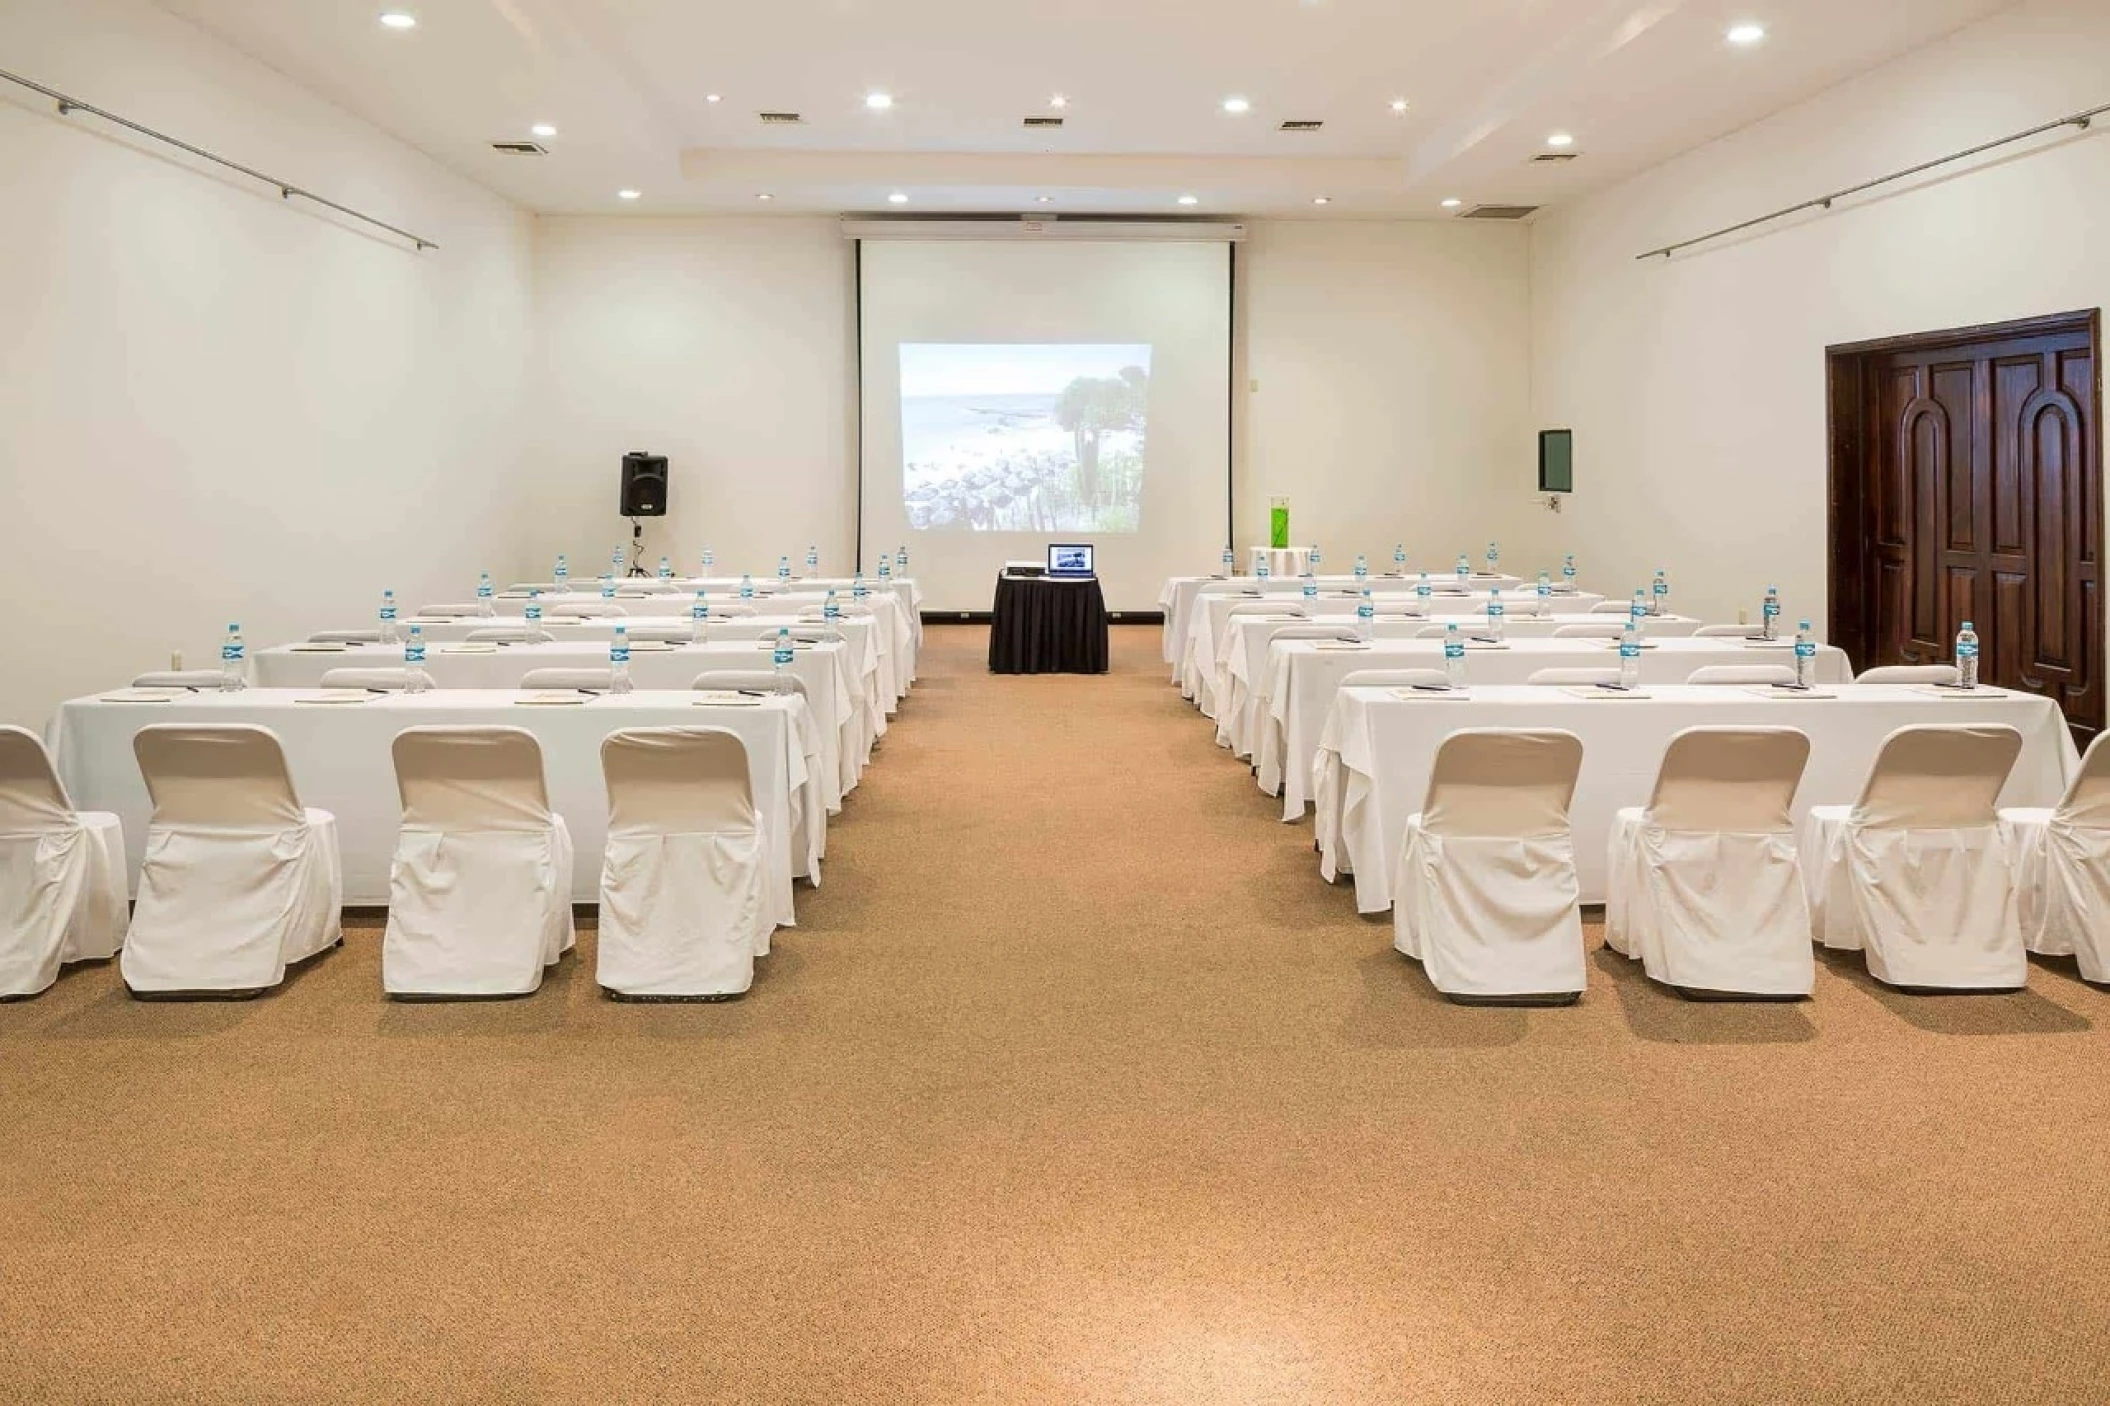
(1605,692)
(1416,695)
(550,700)
(318,647)
(141,695)
(724,698)
(338,696)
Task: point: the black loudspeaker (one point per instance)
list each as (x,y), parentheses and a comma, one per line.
(644,484)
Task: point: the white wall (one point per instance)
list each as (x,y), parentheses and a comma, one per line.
(204,387)
(1696,386)
(1393,370)
(1393,360)
(725,344)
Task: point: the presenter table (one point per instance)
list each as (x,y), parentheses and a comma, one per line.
(1048,625)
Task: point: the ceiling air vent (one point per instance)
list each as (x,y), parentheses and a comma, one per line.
(1555,157)
(780,119)
(1043,121)
(1499,212)
(519,149)
(1302,124)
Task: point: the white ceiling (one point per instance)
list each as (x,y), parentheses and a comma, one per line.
(626,83)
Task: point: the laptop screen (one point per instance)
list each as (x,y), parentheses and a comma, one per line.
(1070,560)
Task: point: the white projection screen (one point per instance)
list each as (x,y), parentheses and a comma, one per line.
(1017,393)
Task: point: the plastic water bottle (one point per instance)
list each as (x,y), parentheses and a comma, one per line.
(666,569)
(709,559)
(1494,614)
(1967,657)
(1311,590)
(783,568)
(1261,569)
(780,660)
(1365,616)
(1399,558)
(1453,657)
(1230,563)
(1465,568)
(607,586)
(1638,611)
(699,618)
(831,608)
(858,589)
(1494,558)
(813,559)
(886,568)
(532,613)
(561,574)
(1805,656)
(1362,567)
(901,560)
(1568,571)
(1422,593)
(484,593)
(388,617)
(233,668)
(747,586)
(1545,603)
(414,657)
(1630,652)
(1661,587)
(619,661)
(1770,613)
(1314,560)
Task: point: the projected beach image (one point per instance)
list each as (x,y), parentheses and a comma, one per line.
(1023,438)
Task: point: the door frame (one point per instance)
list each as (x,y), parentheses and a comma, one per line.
(1849,413)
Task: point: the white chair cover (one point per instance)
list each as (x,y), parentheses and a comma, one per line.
(734,608)
(588,609)
(1396,678)
(1590,630)
(479,891)
(456,610)
(1315,632)
(181,678)
(684,887)
(62,872)
(1611,607)
(817,634)
(2061,859)
(239,879)
(1486,887)
(345,637)
(521,633)
(1742,674)
(1908,673)
(391,680)
(1437,632)
(753,680)
(1573,678)
(601,677)
(1916,872)
(1704,887)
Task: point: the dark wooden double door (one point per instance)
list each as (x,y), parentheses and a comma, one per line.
(1967,485)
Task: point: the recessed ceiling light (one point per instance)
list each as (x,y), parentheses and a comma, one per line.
(1453,203)
(764,195)
(713,98)
(1190,200)
(1322,200)
(543,129)
(1237,105)
(1399,104)
(879,102)
(628,194)
(1058,101)
(897,198)
(1560,139)
(396,19)
(1746,33)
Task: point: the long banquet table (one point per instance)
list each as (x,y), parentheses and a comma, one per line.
(1298,682)
(340,761)
(902,621)
(1372,766)
(1179,594)
(824,669)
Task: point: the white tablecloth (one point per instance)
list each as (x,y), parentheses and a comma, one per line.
(1301,677)
(1177,599)
(1372,767)
(824,669)
(1211,611)
(340,760)
(1242,648)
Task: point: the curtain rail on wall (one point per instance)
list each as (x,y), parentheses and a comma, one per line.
(286,189)
(1824,202)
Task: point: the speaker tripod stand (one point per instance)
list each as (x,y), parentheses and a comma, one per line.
(637,549)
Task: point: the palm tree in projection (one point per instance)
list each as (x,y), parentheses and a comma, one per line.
(1092,406)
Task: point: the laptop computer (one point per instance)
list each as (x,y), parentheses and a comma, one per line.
(1070,559)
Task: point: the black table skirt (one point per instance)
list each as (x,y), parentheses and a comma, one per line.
(1047,626)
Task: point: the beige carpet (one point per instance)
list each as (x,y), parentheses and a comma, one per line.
(1075,1084)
